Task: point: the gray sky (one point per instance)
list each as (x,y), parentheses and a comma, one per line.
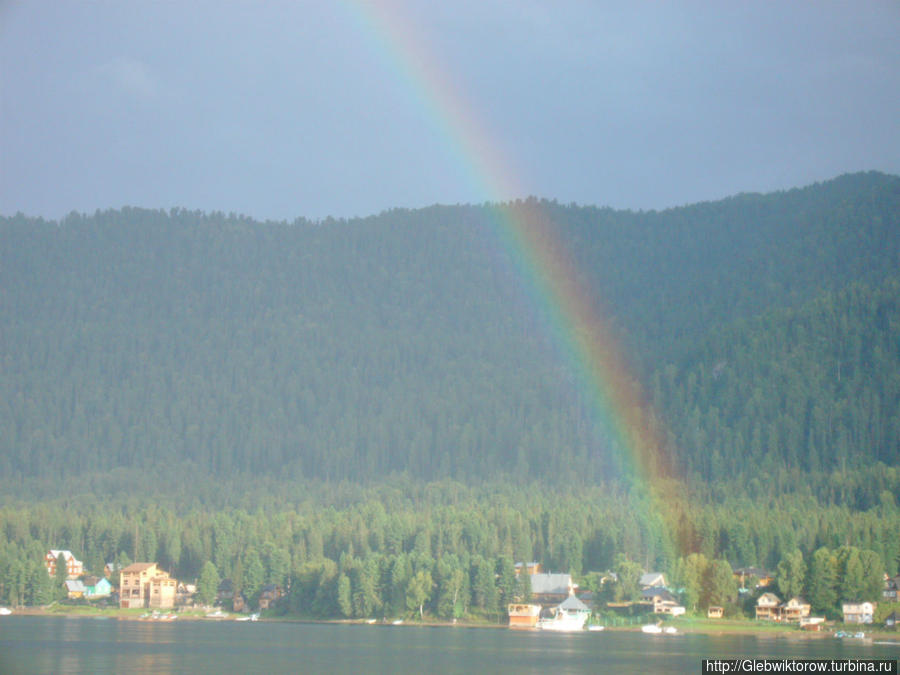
(286,109)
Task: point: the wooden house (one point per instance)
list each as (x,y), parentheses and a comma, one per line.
(794,610)
(768,607)
(528,567)
(225,591)
(74,567)
(97,587)
(74,589)
(662,601)
(745,575)
(269,595)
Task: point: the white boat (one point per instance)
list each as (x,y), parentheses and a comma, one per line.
(568,617)
(5,611)
(671,630)
(651,628)
(595,628)
(397,622)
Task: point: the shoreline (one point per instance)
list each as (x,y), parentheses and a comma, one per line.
(744,628)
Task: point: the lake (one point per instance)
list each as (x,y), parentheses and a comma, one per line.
(40,644)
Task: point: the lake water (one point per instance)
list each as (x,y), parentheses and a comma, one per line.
(38,644)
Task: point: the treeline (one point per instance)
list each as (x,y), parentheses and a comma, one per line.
(445,540)
(762,329)
(816,388)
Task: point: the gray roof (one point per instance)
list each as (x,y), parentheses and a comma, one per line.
(574,604)
(651,578)
(657,591)
(551,584)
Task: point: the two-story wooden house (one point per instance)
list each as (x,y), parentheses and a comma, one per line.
(794,610)
(768,607)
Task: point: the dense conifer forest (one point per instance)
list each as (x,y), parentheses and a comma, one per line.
(375,413)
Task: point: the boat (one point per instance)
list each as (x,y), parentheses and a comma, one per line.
(523,615)
(670,630)
(652,628)
(397,622)
(5,611)
(595,627)
(218,614)
(570,616)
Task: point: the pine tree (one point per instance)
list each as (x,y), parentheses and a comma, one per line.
(208,584)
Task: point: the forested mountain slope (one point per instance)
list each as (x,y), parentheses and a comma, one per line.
(763,328)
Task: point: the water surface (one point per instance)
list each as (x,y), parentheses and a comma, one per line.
(39,644)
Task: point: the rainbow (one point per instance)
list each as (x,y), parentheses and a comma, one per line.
(528,233)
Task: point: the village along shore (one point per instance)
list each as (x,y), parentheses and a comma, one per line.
(683,625)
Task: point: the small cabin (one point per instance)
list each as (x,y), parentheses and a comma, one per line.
(715,612)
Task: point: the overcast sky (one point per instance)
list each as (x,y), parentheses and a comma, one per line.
(316,108)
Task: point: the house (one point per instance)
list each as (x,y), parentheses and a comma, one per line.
(162,591)
(652,579)
(238,602)
(768,607)
(892,620)
(529,567)
(74,589)
(794,609)
(662,601)
(551,589)
(746,574)
(74,567)
(184,593)
(97,587)
(225,591)
(269,595)
(891,589)
(858,612)
(715,612)
(145,585)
